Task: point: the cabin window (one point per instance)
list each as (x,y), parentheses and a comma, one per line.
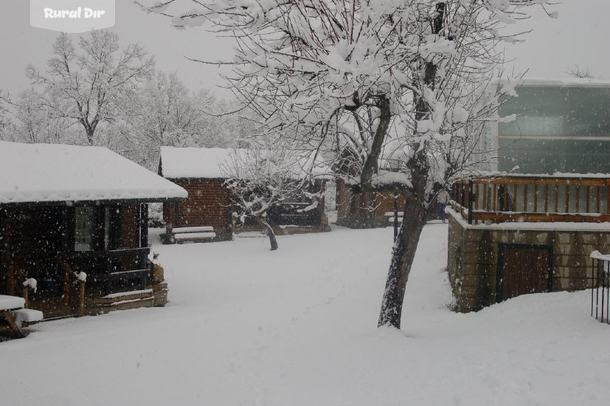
(84,228)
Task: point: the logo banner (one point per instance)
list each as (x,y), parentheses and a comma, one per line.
(72,16)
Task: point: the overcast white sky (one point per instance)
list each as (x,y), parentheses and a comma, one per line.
(579,36)
(21,44)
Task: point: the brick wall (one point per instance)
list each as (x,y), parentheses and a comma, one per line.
(207,205)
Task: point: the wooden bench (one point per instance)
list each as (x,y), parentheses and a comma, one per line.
(389,217)
(193,234)
(16,316)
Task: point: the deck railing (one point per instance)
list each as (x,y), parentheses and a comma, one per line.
(526,198)
(600,291)
(126,269)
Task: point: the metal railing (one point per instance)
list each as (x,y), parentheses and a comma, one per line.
(600,291)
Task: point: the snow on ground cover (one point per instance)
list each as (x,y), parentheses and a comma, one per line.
(247,326)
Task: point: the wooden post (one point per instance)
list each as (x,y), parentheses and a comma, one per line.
(515,198)
(66,284)
(10,280)
(598,200)
(470,199)
(81,297)
(556,197)
(26,296)
(476,195)
(608,196)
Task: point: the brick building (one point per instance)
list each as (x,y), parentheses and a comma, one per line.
(207,213)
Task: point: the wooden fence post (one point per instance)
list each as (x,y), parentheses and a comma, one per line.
(470,200)
(81,297)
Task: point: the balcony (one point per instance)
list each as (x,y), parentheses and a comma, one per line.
(532,198)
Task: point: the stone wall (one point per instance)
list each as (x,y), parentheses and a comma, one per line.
(473,253)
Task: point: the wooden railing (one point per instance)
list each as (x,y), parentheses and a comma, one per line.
(121,269)
(527,198)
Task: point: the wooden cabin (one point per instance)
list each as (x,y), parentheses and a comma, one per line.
(207,213)
(516,234)
(377,209)
(74,219)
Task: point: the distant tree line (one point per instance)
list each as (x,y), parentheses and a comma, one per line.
(94,92)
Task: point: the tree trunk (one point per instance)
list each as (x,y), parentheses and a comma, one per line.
(270,234)
(403,253)
(414,217)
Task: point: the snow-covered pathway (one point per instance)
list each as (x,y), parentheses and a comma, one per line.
(247,326)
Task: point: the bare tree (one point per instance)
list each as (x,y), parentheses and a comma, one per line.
(425,69)
(263,178)
(6,122)
(164,112)
(90,83)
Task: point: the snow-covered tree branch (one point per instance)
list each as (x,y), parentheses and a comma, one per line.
(90,83)
(261,178)
(342,75)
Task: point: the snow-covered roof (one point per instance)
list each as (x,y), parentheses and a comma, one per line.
(64,173)
(555,46)
(214,163)
(193,162)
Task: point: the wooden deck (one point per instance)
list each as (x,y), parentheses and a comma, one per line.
(530,198)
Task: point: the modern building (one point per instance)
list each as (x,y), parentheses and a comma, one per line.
(207,214)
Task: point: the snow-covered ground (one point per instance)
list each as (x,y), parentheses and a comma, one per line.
(247,326)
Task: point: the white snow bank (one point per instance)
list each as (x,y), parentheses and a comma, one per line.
(60,173)
(297,327)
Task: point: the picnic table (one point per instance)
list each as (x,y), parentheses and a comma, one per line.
(13,312)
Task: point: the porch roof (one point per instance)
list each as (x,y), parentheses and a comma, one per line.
(32,173)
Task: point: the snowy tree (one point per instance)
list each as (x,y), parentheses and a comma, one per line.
(423,70)
(36,122)
(165,112)
(263,178)
(89,84)
(6,122)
